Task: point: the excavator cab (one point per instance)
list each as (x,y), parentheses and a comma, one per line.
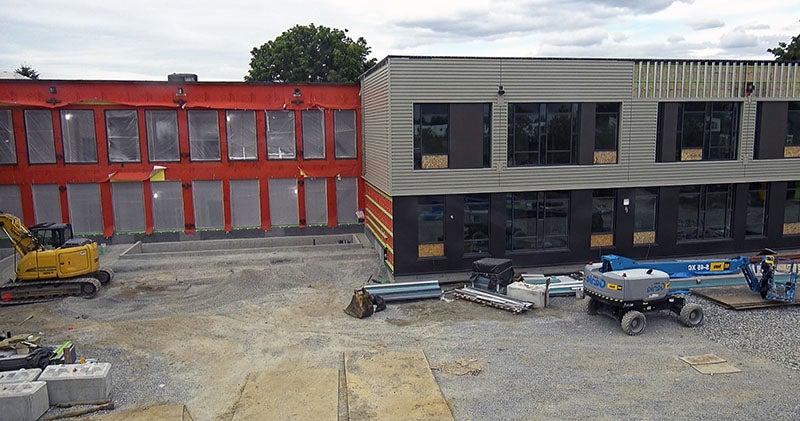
(52,235)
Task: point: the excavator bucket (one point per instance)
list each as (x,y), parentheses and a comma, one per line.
(360,305)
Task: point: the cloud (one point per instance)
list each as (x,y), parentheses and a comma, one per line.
(619,37)
(700,25)
(587,38)
(738,39)
(757,27)
(674,39)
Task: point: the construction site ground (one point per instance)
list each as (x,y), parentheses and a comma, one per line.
(190,329)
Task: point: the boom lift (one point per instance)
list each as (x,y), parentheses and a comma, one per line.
(51,265)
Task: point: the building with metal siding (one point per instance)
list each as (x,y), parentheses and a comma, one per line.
(174,160)
(697,202)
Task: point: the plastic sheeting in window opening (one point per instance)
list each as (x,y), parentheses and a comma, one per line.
(245,204)
(280,135)
(346,200)
(207,198)
(316,192)
(10,200)
(241,130)
(46,203)
(85,212)
(39,133)
(167,206)
(313,134)
(78,135)
(8,151)
(162,135)
(203,135)
(344,123)
(128,201)
(283,201)
(122,131)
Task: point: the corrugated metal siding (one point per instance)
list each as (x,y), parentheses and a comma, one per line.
(375,130)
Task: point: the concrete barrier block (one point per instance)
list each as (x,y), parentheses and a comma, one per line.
(20,376)
(77,382)
(23,401)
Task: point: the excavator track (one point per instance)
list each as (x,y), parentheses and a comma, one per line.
(27,292)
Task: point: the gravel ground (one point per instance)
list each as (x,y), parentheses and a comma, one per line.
(189,330)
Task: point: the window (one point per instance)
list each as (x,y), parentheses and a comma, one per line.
(122,131)
(39,132)
(316,201)
(207,199)
(128,202)
(203,135)
(78,136)
(537,220)
(603,204)
(344,125)
(85,209)
(46,203)
(476,224)
(431,135)
(280,135)
(167,206)
(606,133)
(346,200)
(313,134)
(245,204)
(283,202)
(756,211)
(645,209)
(792,148)
(791,213)
(10,201)
(705,131)
(430,226)
(704,212)
(162,135)
(241,131)
(452,135)
(8,151)
(542,134)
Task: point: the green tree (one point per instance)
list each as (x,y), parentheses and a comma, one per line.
(27,71)
(310,54)
(784,52)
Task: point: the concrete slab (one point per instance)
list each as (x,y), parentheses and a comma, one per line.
(719,368)
(702,359)
(77,382)
(307,394)
(393,385)
(20,376)
(23,401)
(736,298)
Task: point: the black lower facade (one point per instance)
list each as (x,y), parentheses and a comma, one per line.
(448,232)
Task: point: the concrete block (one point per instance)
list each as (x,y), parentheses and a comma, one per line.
(23,401)
(78,382)
(536,294)
(20,376)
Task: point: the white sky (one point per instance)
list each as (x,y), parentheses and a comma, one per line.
(117,40)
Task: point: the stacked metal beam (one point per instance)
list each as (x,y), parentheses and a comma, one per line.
(406,291)
(493,300)
(560,285)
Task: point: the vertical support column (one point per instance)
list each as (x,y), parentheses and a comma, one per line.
(222,120)
(330,151)
(261,135)
(149,224)
(62,195)
(226,204)
(188,206)
(624,221)
(266,224)
(107,208)
(142,124)
(453,231)
(26,199)
(497,224)
(100,133)
(739,214)
(57,138)
(586,134)
(183,137)
(298,134)
(20,147)
(301,202)
(776,207)
(330,190)
(667,218)
(580,222)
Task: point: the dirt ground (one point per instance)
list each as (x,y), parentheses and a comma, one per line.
(188,330)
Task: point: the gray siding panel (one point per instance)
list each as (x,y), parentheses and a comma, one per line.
(375,130)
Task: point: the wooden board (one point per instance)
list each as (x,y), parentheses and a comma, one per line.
(702,359)
(718,368)
(393,385)
(736,297)
(305,394)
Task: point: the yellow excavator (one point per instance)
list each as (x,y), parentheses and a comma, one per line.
(51,264)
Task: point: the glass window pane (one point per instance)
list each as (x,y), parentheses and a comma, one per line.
(316,190)
(344,123)
(606,127)
(603,212)
(245,204)
(346,200)
(283,202)
(430,220)
(476,224)
(722,127)
(207,199)
(167,206)
(524,134)
(46,203)
(716,223)
(204,135)
(85,209)
(431,134)
(313,134)
(559,134)
(8,151)
(524,218)
(241,131)
(793,125)
(688,213)
(280,135)
(162,135)
(556,220)
(645,209)
(39,132)
(128,202)
(10,201)
(122,131)
(78,136)
(791,214)
(755,216)
(693,128)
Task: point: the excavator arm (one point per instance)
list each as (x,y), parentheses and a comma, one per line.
(21,238)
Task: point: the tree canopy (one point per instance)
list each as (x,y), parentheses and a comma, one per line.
(27,71)
(787,52)
(310,53)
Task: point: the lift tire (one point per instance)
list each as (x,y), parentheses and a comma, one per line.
(633,323)
(692,315)
(104,275)
(591,306)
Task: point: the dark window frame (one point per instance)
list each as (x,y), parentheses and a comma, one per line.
(758,188)
(705,142)
(600,196)
(646,193)
(148,112)
(418,146)
(616,113)
(792,199)
(424,203)
(108,135)
(544,147)
(701,218)
(541,202)
(471,244)
(793,139)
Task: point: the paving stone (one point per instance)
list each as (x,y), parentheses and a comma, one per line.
(23,401)
(20,376)
(78,382)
